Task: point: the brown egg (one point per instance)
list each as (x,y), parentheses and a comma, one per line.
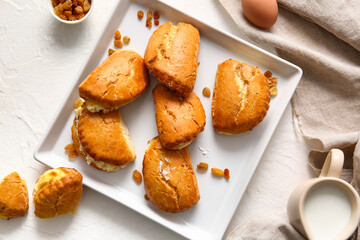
(262,13)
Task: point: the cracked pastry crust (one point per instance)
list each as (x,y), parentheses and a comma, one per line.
(57,192)
(179,120)
(240,99)
(118,80)
(172,56)
(102,139)
(14,198)
(169,179)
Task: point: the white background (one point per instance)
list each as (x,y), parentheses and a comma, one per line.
(39,58)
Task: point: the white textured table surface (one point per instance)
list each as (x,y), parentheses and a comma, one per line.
(39,58)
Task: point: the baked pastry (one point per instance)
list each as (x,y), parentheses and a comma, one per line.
(172,56)
(14,198)
(102,139)
(57,192)
(169,179)
(179,120)
(241,97)
(118,80)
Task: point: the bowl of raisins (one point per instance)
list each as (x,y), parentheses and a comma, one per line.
(70,11)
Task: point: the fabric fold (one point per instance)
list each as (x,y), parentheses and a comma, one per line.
(323,38)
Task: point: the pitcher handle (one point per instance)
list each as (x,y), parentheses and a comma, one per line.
(333,164)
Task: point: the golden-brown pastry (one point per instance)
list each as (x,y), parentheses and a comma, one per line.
(57,192)
(172,56)
(241,97)
(118,80)
(179,119)
(14,198)
(169,179)
(102,139)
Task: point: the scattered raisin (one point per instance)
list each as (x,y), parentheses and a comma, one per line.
(148,23)
(137,176)
(126,40)
(140,14)
(149,15)
(217,172)
(111,51)
(273,91)
(227,173)
(156,22)
(73,154)
(117,35)
(202,166)
(118,43)
(206,92)
(70,147)
(156,15)
(78,103)
(268,74)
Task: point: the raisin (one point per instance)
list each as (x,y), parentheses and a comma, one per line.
(78,10)
(140,14)
(126,40)
(217,172)
(73,154)
(70,148)
(149,15)
(86,5)
(268,74)
(67,4)
(156,22)
(227,173)
(111,51)
(117,35)
(156,15)
(72,17)
(137,176)
(206,92)
(202,166)
(78,103)
(80,16)
(148,23)
(118,43)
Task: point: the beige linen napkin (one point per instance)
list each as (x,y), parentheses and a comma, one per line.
(323,38)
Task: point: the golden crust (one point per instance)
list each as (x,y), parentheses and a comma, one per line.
(179,120)
(59,194)
(172,56)
(169,179)
(241,97)
(14,198)
(104,138)
(118,80)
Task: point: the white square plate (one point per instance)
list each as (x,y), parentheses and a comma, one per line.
(239,153)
